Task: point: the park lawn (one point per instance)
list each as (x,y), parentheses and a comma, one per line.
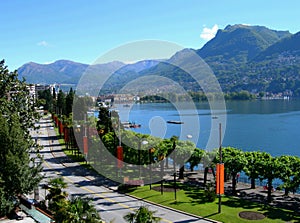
(189,199)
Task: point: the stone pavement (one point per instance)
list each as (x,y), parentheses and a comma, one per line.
(26,219)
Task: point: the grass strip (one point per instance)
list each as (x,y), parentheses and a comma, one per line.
(192,200)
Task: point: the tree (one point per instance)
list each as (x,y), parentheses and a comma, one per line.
(207,161)
(69,102)
(56,195)
(104,123)
(183,151)
(77,210)
(79,108)
(269,169)
(251,170)
(48,99)
(195,158)
(234,161)
(142,215)
(61,102)
(19,173)
(289,170)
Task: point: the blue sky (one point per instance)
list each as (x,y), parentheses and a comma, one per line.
(81,30)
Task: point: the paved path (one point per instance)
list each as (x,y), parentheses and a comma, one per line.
(26,219)
(81,182)
(259,194)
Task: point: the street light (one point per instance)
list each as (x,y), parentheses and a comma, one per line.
(174,165)
(119,127)
(220,172)
(119,148)
(174,149)
(151,150)
(141,142)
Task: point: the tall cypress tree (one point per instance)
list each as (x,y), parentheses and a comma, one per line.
(69,102)
(61,102)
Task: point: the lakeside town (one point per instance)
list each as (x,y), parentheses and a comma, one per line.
(149,111)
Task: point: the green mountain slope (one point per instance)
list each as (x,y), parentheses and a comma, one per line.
(287,47)
(240,43)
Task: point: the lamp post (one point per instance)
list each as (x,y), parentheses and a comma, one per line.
(119,148)
(162,174)
(219,170)
(141,142)
(85,139)
(174,165)
(151,150)
(174,149)
(78,131)
(119,127)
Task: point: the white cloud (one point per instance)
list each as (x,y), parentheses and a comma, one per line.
(48,62)
(208,34)
(43,43)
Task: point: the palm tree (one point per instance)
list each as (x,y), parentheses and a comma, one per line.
(82,210)
(142,215)
(77,210)
(56,194)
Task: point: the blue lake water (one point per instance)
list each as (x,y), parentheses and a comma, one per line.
(271,125)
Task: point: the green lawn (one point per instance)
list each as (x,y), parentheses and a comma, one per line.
(190,199)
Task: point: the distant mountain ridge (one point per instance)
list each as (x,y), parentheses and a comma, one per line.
(58,71)
(242,57)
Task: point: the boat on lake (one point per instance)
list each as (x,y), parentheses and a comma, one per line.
(130,125)
(174,122)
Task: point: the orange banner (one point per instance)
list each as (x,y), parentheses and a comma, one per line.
(85,145)
(220,179)
(66,134)
(61,128)
(120,156)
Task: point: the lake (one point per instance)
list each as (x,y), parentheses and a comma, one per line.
(261,125)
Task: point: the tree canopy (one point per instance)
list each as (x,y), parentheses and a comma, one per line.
(19,172)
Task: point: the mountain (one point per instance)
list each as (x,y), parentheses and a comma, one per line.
(242,57)
(240,43)
(287,47)
(227,54)
(58,72)
(65,71)
(90,76)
